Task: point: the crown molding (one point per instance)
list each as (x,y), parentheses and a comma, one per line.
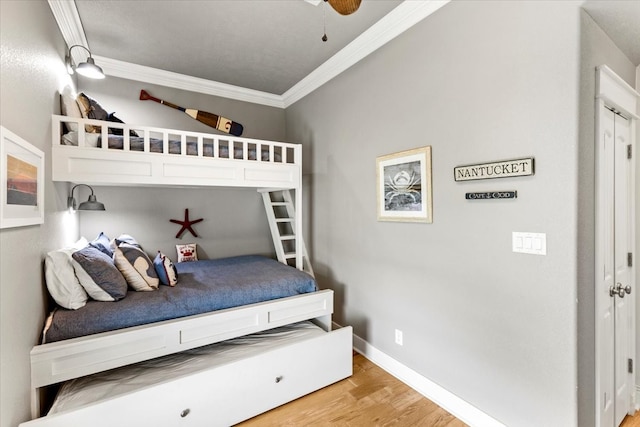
(68,19)
(141,73)
(400,19)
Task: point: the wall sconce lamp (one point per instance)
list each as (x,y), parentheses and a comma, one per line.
(87,69)
(90,205)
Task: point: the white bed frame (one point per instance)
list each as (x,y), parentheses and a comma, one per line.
(104,166)
(59,361)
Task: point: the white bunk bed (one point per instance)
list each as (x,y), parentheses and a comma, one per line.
(227,392)
(86,163)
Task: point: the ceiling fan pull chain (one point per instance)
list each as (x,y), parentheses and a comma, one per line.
(324,21)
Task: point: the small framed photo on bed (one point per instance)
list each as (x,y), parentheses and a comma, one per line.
(404,186)
(21,181)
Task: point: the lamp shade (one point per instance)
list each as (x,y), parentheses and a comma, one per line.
(87,69)
(91,205)
(90,69)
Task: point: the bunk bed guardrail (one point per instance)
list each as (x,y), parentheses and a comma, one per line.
(144,155)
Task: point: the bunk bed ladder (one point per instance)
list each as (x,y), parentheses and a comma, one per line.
(281,214)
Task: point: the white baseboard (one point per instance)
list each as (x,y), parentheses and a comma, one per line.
(462,410)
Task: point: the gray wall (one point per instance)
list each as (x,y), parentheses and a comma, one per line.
(478,81)
(121,96)
(596,48)
(32,72)
(234,220)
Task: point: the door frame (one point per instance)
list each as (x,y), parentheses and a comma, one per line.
(612,92)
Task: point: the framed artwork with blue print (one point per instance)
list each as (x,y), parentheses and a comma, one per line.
(404,186)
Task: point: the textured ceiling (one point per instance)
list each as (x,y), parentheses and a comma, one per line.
(265,45)
(620,19)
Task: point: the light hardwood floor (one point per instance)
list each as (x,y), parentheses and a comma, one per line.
(631,421)
(370,397)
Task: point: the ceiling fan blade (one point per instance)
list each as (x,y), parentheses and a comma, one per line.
(345,7)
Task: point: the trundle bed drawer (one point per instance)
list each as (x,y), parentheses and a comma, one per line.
(225,394)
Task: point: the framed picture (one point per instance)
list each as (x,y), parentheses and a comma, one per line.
(404,186)
(21,181)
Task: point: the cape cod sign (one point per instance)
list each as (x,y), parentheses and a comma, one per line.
(487,195)
(503,169)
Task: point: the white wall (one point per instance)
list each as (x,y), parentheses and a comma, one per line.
(32,71)
(478,81)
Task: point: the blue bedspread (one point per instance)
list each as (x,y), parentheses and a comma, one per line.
(203,286)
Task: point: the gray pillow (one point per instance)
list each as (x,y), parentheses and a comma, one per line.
(106,282)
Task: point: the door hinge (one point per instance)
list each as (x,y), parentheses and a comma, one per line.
(629,259)
(630,366)
(629,150)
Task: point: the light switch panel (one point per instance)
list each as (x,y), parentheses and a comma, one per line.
(529,243)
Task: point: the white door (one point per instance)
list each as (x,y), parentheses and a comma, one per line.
(616,315)
(622,249)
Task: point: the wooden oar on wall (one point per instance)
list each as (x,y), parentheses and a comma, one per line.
(221,123)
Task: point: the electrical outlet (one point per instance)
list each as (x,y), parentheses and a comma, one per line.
(398,337)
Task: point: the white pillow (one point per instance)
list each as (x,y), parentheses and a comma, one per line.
(69,107)
(187,252)
(90,139)
(81,243)
(62,283)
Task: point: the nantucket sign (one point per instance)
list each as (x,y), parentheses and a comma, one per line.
(503,169)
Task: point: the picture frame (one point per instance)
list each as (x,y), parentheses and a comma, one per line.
(21,181)
(404,188)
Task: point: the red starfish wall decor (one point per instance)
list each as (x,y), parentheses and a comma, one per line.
(186,224)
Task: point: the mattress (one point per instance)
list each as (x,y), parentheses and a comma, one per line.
(203,286)
(110,384)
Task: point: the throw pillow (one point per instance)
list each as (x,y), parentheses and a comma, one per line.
(62,283)
(103,244)
(69,107)
(98,275)
(91,109)
(187,252)
(167,272)
(124,238)
(136,267)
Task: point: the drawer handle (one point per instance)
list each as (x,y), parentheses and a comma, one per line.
(185,412)
(279,378)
